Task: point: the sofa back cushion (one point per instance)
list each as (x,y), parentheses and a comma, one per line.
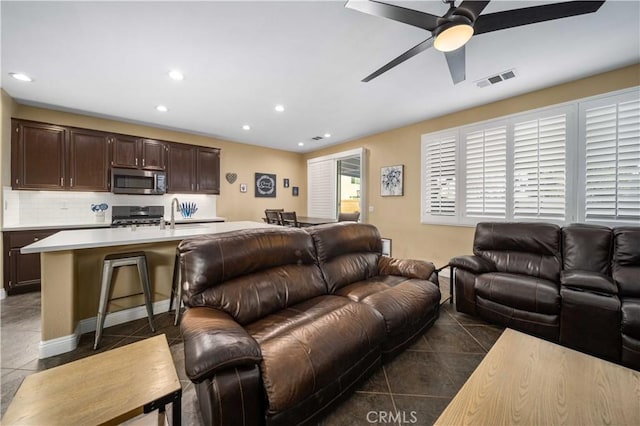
(587,248)
(250,273)
(531,249)
(347,251)
(626,260)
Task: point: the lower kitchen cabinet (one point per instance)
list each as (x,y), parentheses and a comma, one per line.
(22,271)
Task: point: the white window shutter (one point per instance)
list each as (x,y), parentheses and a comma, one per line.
(440,176)
(612,161)
(486,167)
(539,168)
(321,183)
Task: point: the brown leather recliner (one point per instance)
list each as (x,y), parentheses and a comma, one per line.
(268,339)
(513,278)
(626,273)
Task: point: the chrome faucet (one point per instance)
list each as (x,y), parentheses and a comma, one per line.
(173,218)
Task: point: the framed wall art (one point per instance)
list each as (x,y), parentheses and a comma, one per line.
(392,181)
(243,187)
(286,183)
(295,191)
(265,185)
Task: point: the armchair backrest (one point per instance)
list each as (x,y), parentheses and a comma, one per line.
(250,273)
(626,260)
(587,248)
(520,248)
(347,251)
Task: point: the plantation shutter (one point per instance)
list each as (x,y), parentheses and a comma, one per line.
(612,159)
(486,167)
(440,176)
(539,168)
(321,184)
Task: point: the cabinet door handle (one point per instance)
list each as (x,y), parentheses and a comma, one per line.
(198,187)
(143,162)
(136,161)
(192,187)
(71,182)
(61,181)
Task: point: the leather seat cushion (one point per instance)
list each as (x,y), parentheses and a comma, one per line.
(631,317)
(403,302)
(520,292)
(313,344)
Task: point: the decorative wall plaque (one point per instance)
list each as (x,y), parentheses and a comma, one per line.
(265,185)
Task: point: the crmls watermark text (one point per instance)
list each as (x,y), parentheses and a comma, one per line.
(402,417)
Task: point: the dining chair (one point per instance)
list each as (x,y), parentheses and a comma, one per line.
(273,216)
(289,219)
(349,217)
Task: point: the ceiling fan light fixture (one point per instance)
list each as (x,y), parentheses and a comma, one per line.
(453,36)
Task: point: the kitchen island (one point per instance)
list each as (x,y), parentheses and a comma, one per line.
(71,263)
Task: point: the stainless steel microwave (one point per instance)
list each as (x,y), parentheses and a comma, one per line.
(131,181)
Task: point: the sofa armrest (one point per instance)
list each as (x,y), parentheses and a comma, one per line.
(213,341)
(594,282)
(409,268)
(472,263)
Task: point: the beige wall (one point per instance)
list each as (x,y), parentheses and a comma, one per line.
(398,218)
(7,108)
(244,160)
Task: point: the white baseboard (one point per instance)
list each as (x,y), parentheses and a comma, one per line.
(3,294)
(68,343)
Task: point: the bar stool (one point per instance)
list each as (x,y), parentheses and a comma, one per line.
(176,289)
(117,260)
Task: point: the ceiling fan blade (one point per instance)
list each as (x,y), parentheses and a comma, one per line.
(457,67)
(400,59)
(416,18)
(531,15)
(472,9)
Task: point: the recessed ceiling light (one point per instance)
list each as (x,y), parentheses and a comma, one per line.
(246,127)
(279,108)
(300,143)
(162,108)
(176,75)
(20,76)
(327,135)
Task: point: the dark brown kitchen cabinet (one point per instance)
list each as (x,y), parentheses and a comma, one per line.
(38,156)
(193,169)
(208,170)
(181,175)
(22,271)
(136,153)
(89,157)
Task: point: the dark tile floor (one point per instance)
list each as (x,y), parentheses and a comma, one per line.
(414,388)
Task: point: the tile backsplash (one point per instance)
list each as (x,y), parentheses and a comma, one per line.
(74,208)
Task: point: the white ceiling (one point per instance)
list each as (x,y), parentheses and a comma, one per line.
(240,59)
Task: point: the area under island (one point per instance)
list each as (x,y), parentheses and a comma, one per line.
(71,264)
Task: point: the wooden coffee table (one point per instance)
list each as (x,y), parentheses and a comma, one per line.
(106,388)
(524,380)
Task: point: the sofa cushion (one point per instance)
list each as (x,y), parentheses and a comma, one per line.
(626,260)
(521,248)
(309,346)
(347,252)
(520,292)
(252,273)
(587,247)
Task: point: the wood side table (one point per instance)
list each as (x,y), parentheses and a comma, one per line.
(106,388)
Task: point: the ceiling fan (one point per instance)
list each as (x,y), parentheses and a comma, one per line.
(449,33)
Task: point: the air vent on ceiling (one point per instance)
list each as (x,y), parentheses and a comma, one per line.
(495,79)
(316,138)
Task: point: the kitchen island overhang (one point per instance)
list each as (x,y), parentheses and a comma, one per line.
(71,263)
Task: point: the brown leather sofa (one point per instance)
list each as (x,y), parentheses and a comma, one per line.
(282,323)
(578,285)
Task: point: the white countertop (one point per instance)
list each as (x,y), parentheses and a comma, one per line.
(107,224)
(92,238)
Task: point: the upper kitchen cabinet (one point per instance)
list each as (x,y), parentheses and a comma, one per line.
(38,155)
(193,169)
(208,170)
(181,174)
(134,153)
(89,157)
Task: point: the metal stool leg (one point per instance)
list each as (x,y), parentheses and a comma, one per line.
(178,284)
(107,271)
(144,279)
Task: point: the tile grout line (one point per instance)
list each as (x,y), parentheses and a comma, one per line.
(386,379)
